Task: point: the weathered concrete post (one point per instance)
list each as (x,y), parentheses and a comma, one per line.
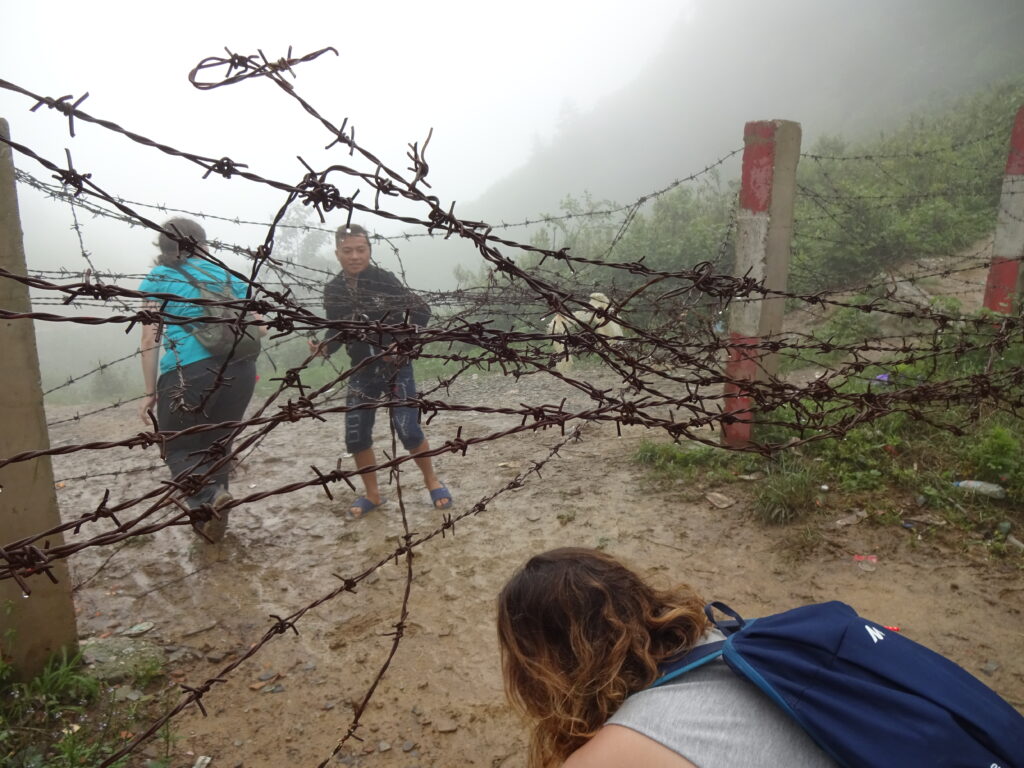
(1002,288)
(764,232)
(31,628)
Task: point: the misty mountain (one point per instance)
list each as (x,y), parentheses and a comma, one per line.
(837,68)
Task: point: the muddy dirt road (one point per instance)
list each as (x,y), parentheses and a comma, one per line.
(441,703)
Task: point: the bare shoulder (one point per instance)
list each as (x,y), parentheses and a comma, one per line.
(616,746)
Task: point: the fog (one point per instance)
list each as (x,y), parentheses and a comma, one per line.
(856,70)
(490,80)
(528,102)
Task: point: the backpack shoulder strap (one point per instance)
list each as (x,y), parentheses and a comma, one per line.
(223,285)
(698,657)
(190,327)
(185,273)
(735,622)
(706,652)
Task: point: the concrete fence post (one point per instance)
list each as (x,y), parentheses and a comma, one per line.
(1002,286)
(33,627)
(764,233)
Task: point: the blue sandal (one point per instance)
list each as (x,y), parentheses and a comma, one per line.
(443,495)
(365,506)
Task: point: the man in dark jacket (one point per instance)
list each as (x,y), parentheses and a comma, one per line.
(363,292)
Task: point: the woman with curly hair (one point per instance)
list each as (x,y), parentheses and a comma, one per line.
(582,638)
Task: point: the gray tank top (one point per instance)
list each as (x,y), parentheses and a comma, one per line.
(716,719)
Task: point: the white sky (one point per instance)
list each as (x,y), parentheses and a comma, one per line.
(490,78)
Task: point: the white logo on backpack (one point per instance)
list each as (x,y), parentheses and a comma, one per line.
(875,633)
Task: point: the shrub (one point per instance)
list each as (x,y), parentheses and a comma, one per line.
(788,494)
(674,461)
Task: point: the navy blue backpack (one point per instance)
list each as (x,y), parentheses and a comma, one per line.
(867,695)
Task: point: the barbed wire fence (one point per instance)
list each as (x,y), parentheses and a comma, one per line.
(668,360)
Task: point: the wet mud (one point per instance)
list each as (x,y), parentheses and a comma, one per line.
(441,702)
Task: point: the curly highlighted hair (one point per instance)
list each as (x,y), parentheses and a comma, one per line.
(579,632)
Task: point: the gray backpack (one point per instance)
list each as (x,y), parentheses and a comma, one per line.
(221,338)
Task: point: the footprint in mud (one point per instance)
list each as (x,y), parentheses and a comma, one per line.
(354,628)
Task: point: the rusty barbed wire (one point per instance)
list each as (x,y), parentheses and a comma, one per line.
(249,66)
(890,198)
(410,542)
(57,191)
(612,408)
(71,380)
(668,357)
(954,146)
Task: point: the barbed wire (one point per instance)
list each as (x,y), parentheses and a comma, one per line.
(944,194)
(918,154)
(23,177)
(668,356)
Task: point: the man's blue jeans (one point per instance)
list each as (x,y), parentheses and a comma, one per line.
(375,386)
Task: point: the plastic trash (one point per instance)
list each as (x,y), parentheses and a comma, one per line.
(720,500)
(138,629)
(853,518)
(866,562)
(925,518)
(982,488)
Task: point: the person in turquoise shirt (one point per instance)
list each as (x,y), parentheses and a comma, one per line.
(181,375)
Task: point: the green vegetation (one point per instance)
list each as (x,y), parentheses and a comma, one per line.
(907,458)
(930,187)
(891,465)
(65,719)
(962,439)
(785,493)
(845,327)
(672,461)
(789,492)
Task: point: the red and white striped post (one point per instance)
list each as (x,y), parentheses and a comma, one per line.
(764,232)
(1001,288)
